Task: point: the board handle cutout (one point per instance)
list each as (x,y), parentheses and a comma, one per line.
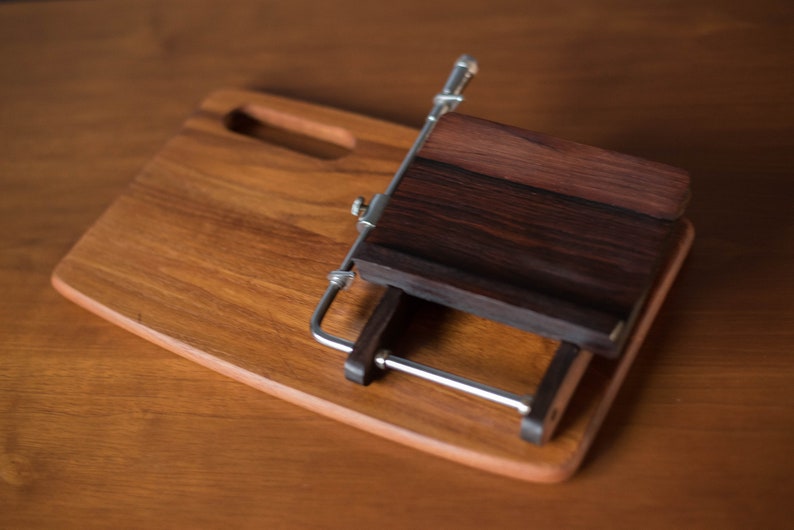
(306,137)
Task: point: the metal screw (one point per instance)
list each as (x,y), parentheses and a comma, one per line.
(359,207)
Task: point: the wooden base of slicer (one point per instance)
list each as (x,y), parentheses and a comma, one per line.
(219,249)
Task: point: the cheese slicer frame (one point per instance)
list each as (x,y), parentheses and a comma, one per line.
(218,248)
(371,353)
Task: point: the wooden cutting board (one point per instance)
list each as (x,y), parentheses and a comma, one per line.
(219,251)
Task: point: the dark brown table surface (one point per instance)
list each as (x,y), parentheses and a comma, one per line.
(99,428)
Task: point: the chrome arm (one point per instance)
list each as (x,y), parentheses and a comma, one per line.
(445,101)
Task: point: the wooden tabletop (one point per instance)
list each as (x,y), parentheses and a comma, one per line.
(99,428)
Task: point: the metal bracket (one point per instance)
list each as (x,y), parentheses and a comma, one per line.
(369,354)
(372,355)
(445,101)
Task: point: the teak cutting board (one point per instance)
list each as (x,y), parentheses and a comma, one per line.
(219,251)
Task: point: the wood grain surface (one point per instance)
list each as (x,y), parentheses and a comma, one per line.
(100,428)
(558,165)
(204,255)
(510,239)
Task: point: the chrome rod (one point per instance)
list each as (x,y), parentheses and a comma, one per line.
(385,360)
(445,101)
(319,334)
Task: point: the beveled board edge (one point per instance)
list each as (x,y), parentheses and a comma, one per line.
(503,466)
(526,471)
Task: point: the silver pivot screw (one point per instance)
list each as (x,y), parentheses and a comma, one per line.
(359,207)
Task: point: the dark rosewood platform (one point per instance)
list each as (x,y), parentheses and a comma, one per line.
(546,235)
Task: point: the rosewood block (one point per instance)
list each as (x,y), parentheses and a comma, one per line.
(503,237)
